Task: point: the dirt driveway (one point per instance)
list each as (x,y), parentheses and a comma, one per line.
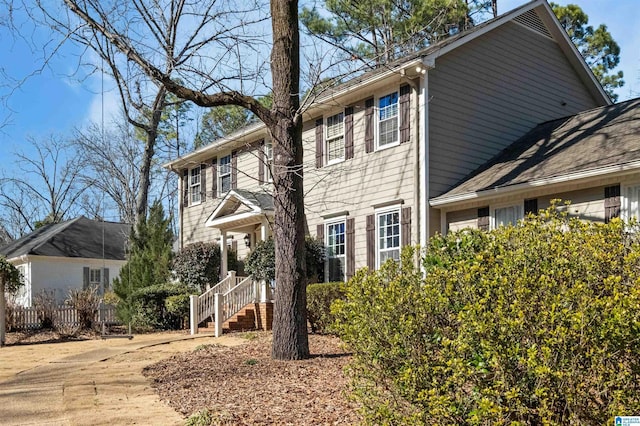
(91,382)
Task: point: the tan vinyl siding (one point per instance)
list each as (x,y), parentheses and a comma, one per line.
(195,216)
(489,92)
(462,219)
(357,185)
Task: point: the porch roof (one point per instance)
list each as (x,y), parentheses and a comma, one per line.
(240,209)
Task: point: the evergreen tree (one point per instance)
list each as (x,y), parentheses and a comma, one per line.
(597,46)
(149,261)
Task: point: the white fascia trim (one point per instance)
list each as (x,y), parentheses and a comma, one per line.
(231,218)
(616,170)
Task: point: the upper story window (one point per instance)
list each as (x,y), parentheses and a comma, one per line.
(268,157)
(336,251)
(388,235)
(195,186)
(335,138)
(388,127)
(224,174)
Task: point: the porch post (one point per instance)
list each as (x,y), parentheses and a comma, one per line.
(218,314)
(223,254)
(193,320)
(264,229)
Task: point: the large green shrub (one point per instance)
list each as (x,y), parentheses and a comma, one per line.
(198,265)
(159,307)
(532,324)
(261,262)
(319,300)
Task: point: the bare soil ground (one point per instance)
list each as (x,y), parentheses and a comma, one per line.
(244,386)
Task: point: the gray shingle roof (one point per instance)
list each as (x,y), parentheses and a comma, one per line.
(592,140)
(80,237)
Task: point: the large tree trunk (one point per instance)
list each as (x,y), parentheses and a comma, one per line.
(290,339)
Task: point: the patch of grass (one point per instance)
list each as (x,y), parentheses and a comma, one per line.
(204,347)
(251,361)
(250,335)
(201,418)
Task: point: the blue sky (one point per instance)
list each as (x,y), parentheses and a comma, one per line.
(52,102)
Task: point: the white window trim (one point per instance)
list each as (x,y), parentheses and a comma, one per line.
(192,186)
(376,108)
(624,200)
(268,161)
(220,175)
(519,205)
(334,221)
(326,140)
(389,209)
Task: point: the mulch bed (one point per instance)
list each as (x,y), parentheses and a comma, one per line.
(242,385)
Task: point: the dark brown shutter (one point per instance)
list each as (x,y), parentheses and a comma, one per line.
(405,223)
(85,277)
(350,269)
(368,125)
(203,181)
(611,202)
(531,206)
(214,178)
(371,241)
(405,113)
(105,279)
(320,233)
(234,169)
(185,188)
(348,133)
(261,159)
(234,246)
(319,143)
(483,218)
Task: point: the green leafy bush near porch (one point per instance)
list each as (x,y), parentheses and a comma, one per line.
(198,265)
(319,300)
(532,324)
(160,307)
(261,262)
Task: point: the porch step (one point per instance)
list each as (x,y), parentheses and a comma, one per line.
(244,320)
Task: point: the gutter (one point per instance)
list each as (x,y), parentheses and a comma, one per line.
(588,175)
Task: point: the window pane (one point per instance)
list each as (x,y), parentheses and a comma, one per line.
(507,216)
(633,202)
(388,236)
(225,184)
(336,250)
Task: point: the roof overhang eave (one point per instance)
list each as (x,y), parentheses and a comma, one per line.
(455,200)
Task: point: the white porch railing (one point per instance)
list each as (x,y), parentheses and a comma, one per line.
(222,301)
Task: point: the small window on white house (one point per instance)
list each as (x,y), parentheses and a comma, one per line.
(194,186)
(388,128)
(268,157)
(388,232)
(335,138)
(631,206)
(507,215)
(95,277)
(336,251)
(224,174)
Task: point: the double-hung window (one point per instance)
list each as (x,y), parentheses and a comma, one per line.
(268,158)
(631,206)
(335,138)
(507,215)
(336,251)
(388,236)
(95,277)
(388,120)
(195,195)
(224,174)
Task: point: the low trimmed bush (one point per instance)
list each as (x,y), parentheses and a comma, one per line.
(319,299)
(159,307)
(530,324)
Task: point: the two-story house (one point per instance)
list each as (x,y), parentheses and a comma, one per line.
(384,153)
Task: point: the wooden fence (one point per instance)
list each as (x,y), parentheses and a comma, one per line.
(20,318)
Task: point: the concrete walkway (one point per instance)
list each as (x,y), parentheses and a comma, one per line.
(96,382)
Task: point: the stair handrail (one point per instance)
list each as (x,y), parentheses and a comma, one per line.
(205,306)
(237,298)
